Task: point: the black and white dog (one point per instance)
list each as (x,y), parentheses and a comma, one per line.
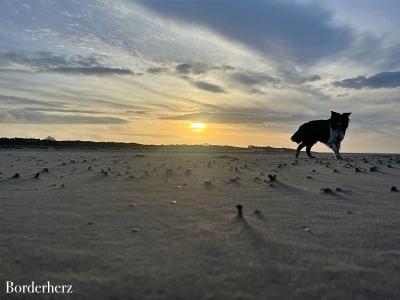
(330,132)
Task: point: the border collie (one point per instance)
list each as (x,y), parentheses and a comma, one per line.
(330,132)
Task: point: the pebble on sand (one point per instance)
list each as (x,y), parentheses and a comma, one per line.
(394,189)
(16,175)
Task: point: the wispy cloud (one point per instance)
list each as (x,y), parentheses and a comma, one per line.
(22,116)
(12,100)
(42,61)
(91,71)
(376,81)
(209,87)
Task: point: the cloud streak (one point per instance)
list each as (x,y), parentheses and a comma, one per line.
(376,81)
(22,116)
(42,61)
(209,87)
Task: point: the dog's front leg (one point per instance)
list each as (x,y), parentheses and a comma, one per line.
(336,148)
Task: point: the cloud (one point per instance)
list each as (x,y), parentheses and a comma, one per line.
(252,78)
(42,61)
(198,68)
(91,71)
(208,87)
(376,81)
(22,116)
(138,112)
(240,115)
(156,70)
(310,78)
(12,100)
(303,31)
(183,68)
(63,110)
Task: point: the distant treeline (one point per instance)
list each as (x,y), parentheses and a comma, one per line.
(47,143)
(19,143)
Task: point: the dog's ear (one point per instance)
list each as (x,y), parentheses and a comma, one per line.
(334,114)
(347,114)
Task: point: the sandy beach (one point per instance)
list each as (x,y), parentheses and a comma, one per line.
(164,225)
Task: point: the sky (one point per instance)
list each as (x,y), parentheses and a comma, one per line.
(252,71)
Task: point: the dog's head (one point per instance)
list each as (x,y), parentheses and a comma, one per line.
(340,121)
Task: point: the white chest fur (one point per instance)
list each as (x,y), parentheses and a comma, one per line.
(335,137)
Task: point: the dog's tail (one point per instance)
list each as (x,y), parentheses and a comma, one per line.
(298,136)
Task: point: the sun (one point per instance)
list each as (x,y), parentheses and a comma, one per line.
(198,126)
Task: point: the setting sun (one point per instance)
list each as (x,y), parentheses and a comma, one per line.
(198,126)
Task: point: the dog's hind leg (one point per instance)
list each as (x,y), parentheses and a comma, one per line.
(301,146)
(308,150)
